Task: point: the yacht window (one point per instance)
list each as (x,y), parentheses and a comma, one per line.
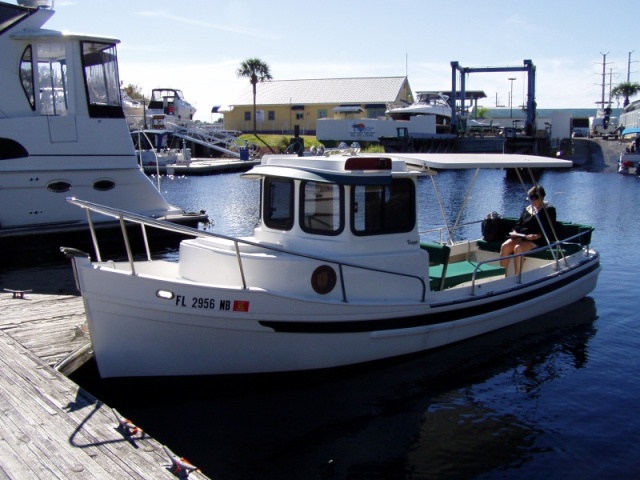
(321,208)
(382,209)
(100,64)
(278,203)
(52,78)
(26,76)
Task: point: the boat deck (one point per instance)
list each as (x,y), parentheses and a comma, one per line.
(203,166)
(50,427)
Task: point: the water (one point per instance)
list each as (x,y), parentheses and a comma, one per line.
(555,397)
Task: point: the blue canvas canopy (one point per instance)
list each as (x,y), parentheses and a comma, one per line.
(631,131)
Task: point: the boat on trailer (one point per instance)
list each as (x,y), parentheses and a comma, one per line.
(336,273)
(63,132)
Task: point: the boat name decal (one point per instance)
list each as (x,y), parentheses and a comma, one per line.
(211,303)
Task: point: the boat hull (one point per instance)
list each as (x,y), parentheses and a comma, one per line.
(148,326)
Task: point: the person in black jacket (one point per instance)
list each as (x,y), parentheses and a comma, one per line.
(534,228)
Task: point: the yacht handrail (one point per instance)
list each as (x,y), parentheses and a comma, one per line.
(190,231)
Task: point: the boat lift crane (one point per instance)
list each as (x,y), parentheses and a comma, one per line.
(528,67)
(221,140)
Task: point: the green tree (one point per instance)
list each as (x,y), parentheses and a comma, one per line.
(626,90)
(482,112)
(134,91)
(256,71)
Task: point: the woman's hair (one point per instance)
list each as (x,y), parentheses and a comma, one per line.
(539,189)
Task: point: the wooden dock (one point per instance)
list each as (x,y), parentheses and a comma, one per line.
(49,426)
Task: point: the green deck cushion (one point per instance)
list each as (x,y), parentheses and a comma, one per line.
(460,272)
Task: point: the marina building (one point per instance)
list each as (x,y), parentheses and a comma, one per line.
(284,104)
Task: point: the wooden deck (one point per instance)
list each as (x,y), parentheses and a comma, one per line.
(49,426)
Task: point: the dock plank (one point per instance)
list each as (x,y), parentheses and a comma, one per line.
(49,426)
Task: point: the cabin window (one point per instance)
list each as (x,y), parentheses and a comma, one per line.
(100,64)
(52,78)
(321,211)
(382,209)
(323,113)
(278,203)
(26,76)
(247,116)
(271,115)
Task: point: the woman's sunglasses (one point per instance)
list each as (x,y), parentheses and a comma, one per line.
(534,196)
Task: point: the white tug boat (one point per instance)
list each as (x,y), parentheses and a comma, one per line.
(63,132)
(336,273)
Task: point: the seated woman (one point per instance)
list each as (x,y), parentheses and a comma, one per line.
(528,232)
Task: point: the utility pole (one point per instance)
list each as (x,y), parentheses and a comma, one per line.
(629,67)
(604,77)
(511,79)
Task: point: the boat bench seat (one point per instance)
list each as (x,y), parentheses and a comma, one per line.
(443,274)
(564,230)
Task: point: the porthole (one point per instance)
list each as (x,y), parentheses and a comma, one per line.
(323,279)
(104,185)
(59,187)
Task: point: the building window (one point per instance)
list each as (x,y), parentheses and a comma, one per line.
(271,115)
(299,115)
(247,116)
(376,112)
(322,113)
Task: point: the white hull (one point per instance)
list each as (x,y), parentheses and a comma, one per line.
(136,333)
(335,274)
(63,132)
(629,163)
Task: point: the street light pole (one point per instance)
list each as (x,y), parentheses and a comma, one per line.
(511,79)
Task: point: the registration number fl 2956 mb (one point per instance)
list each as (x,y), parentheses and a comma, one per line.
(211,303)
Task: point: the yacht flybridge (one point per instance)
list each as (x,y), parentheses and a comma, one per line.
(63,132)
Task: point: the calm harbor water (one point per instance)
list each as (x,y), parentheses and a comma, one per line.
(555,397)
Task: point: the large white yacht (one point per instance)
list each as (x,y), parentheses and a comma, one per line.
(63,133)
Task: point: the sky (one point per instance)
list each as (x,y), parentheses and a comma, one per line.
(197,45)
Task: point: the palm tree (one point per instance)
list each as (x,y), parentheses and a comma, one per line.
(257,71)
(626,90)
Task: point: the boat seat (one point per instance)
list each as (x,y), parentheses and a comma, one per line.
(564,230)
(443,274)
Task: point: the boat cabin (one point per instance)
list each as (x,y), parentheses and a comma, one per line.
(356,210)
(61,74)
(348,199)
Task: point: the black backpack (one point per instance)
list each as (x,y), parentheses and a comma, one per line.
(493,228)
